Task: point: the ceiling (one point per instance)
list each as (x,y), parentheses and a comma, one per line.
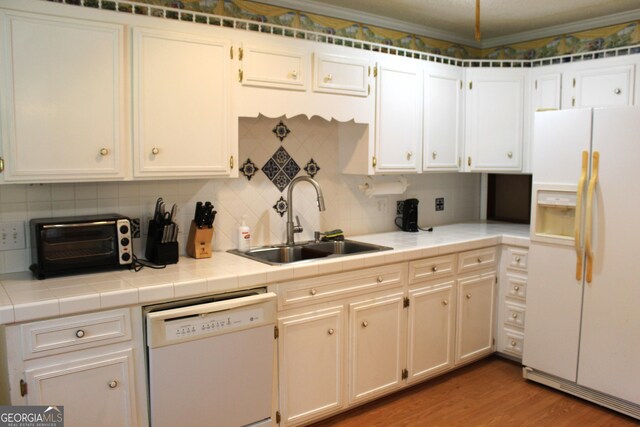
(502,21)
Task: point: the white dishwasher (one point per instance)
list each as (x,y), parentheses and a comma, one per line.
(211,360)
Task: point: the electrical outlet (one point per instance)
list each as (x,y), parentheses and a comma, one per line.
(439,203)
(382,205)
(399,207)
(135,228)
(12,236)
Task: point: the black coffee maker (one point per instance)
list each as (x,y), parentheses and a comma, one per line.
(407,219)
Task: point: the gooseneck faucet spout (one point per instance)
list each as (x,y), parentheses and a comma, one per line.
(291,228)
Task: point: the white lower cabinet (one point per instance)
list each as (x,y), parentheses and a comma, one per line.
(377,339)
(474,336)
(432,310)
(311,347)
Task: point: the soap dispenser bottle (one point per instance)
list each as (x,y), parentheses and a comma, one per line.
(244,236)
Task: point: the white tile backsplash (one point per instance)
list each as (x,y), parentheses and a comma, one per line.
(346,206)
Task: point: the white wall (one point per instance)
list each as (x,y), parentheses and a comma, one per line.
(346,206)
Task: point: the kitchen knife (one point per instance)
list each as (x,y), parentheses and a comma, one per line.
(198,217)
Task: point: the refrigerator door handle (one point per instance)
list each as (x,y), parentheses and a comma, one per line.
(578,219)
(589,220)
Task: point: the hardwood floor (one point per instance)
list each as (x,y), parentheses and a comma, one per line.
(491,392)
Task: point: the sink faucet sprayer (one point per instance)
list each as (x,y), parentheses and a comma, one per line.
(291,229)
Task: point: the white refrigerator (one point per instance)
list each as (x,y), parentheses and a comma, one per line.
(582,333)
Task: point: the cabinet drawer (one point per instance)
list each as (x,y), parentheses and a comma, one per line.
(340,74)
(267,67)
(308,291)
(513,342)
(517,258)
(430,268)
(75,333)
(477,259)
(516,286)
(514,315)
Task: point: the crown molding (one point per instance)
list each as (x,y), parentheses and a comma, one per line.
(395,24)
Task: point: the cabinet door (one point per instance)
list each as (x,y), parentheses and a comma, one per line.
(603,87)
(442,118)
(474,336)
(96,391)
(340,74)
(547,92)
(63,99)
(431,329)
(495,119)
(181,105)
(311,364)
(377,329)
(268,67)
(398,117)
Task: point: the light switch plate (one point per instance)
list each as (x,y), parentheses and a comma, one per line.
(12,236)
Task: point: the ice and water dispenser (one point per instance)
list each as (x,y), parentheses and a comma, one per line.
(555,214)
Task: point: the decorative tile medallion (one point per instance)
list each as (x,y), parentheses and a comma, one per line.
(281,130)
(281,169)
(311,168)
(249,169)
(281,206)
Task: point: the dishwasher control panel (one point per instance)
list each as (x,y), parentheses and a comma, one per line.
(208,323)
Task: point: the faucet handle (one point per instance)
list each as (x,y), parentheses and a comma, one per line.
(297,228)
(317,235)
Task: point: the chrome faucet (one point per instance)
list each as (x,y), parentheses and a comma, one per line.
(291,228)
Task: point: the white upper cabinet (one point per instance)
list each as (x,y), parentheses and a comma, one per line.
(340,74)
(63,99)
(547,90)
(495,118)
(182,121)
(266,66)
(398,127)
(601,83)
(442,122)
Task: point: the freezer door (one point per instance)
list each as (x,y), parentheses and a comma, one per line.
(610,341)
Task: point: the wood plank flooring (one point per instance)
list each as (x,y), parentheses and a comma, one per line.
(490,392)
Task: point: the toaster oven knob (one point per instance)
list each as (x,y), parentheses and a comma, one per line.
(124,229)
(124,241)
(126,256)
(79,333)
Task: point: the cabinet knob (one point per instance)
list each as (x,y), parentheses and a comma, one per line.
(104,151)
(513,343)
(434,268)
(328,78)
(445,302)
(365,324)
(79,333)
(617,91)
(113,384)
(294,74)
(479,260)
(517,259)
(155,151)
(434,155)
(313,291)
(468,296)
(409,155)
(379,279)
(516,288)
(331,331)
(514,315)
(510,154)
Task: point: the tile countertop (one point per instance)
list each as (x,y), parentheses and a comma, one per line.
(24,298)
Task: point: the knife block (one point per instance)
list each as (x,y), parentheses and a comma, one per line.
(199,241)
(158,252)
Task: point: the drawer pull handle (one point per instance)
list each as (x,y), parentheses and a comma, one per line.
(113,384)
(331,331)
(517,259)
(379,279)
(434,268)
(155,151)
(516,288)
(79,333)
(617,91)
(365,324)
(313,291)
(513,343)
(514,315)
(409,155)
(468,296)
(445,302)
(479,260)
(510,154)
(104,151)
(294,74)
(328,78)
(434,155)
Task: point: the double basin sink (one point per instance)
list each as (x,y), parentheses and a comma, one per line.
(307,251)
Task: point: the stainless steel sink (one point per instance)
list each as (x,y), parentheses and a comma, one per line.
(307,251)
